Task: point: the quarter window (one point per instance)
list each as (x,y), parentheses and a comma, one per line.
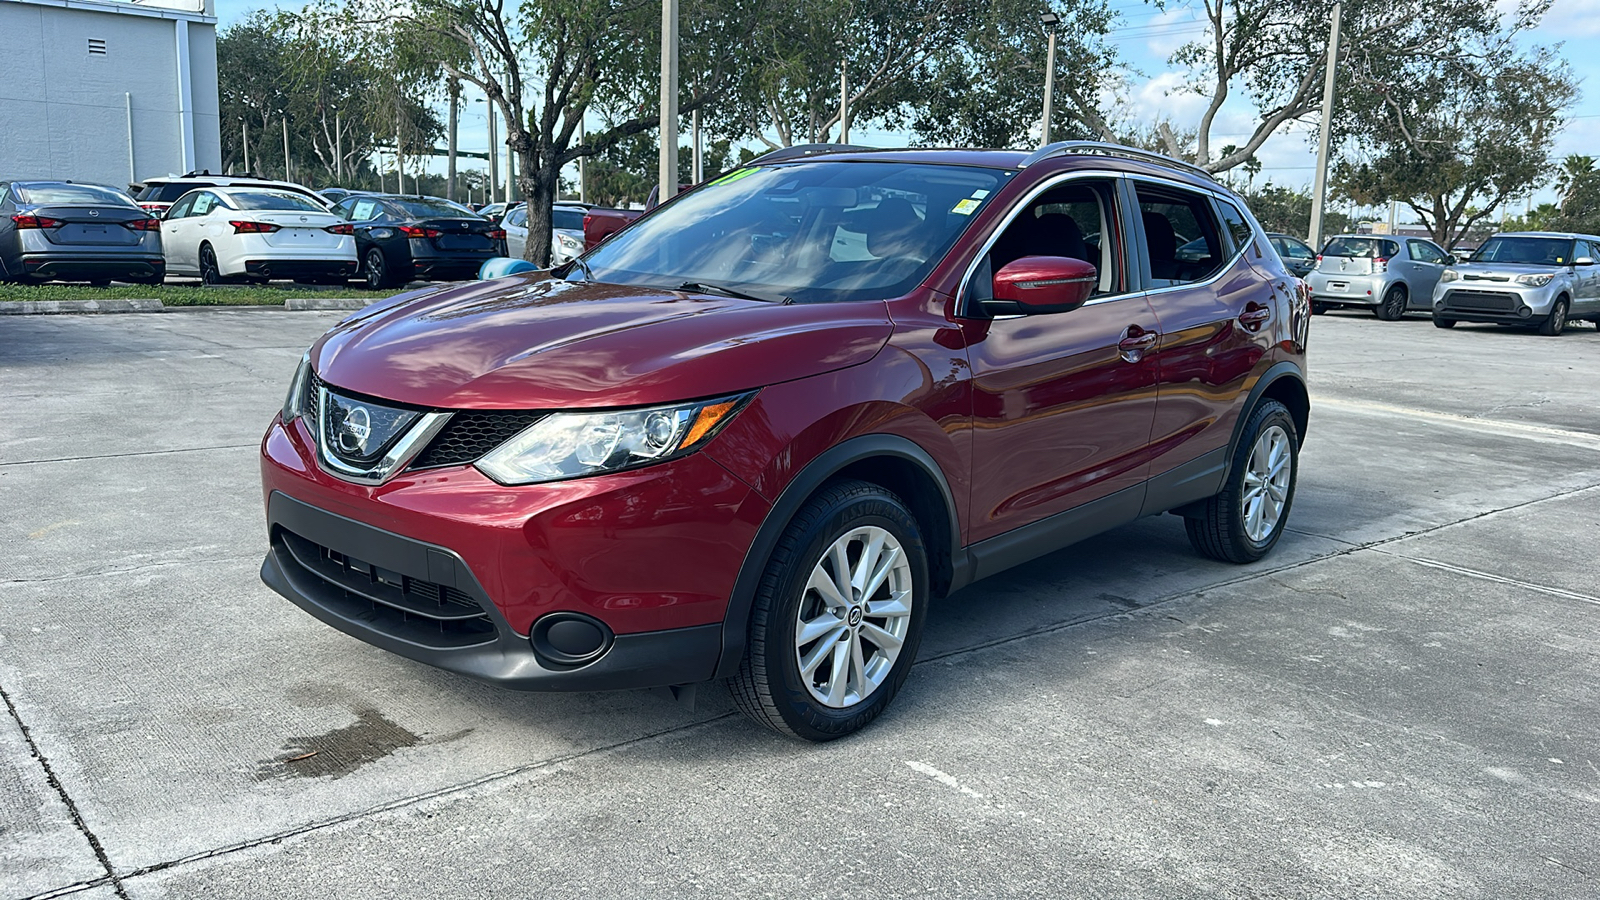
(1238,228)
(1181,239)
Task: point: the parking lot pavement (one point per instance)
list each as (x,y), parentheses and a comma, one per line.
(1400,702)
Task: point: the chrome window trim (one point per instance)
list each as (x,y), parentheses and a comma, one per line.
(1016,210)
(1222,269)
(399,456)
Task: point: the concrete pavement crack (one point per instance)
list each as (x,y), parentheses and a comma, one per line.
(66,799)
(35,462)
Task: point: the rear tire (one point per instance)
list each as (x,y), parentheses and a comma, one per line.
(377,270)
(1556,322)
(1393,306)
(210,273)
(1318,308)
(1243,522)
(821,661)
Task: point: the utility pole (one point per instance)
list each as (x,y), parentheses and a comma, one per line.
(844,99)
(669,101)
(244,137)
(454,92)
(338,146)
(494,160)
(1319,193)
(288,173)
(399,160)
(583,191)
(511,176)
(1052,24)
(698,169)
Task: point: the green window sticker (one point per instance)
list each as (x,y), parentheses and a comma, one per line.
(736,174)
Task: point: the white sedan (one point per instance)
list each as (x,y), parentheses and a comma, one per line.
(256,234)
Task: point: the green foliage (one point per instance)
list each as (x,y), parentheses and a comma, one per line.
(1288,211)
(982,84)
(626,172)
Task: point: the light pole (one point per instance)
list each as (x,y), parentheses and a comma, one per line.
(1319,191)
(844,95)
(1051,24)
(244,136)
(669,101)
(288,174)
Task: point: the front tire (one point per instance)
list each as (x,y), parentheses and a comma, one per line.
(1318,307)
(1441,322)
(837,617)
(1243,522)
(1556,322)
(1393,307)
(377,270)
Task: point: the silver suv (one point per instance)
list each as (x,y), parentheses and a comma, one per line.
(1536,278)
(1387,273)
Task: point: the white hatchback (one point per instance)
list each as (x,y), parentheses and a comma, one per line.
(253,233)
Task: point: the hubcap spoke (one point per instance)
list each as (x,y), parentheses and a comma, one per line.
(842,655)
(1266,481)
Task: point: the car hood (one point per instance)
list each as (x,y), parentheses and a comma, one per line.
(1503,271)
(532,342)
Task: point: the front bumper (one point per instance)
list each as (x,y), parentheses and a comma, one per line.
(486,647)
(1505,302)
(649,556)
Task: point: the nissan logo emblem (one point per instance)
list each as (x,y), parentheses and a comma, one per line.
(354,431)
(94,212)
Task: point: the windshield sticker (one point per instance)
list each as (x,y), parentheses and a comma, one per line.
(737,174)
(966,207)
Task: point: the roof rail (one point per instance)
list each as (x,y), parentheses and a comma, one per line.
(800,150)
(1106,148)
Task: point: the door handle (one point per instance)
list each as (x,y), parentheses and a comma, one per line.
(1254,315)
(1135,341)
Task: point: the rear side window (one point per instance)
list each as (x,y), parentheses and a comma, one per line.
(571,219)
(71,193)
(1181,238)
(1422,251)
(1238,228)
(204,202)
(364,210)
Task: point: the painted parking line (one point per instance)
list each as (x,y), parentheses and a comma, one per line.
(1525,430)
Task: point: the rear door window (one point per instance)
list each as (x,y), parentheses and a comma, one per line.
(1181,239)
(364,210)
(204,202)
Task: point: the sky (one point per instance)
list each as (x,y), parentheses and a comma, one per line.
(1147,37)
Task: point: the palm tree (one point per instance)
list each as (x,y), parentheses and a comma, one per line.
(1574,169)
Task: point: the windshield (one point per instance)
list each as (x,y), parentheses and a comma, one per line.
(433,207)
(1361,248)
(566,218)
(1536,251)
(808,232)
(274,200)
(71,193)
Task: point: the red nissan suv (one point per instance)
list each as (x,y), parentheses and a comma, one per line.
(755,434)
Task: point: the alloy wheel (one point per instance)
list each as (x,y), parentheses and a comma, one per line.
(1266,483)
(854,617)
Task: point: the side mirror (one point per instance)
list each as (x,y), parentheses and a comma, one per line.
(1035,285)
(1583,261)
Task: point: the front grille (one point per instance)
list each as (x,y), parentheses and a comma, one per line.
(423,612)
(471,434)
(1488,301)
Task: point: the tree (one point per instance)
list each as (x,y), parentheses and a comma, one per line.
(1574,172)
(1275,51)
(546,63)
(1288,211)
(1455,138)
(983,86)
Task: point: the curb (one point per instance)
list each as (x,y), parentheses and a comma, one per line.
(61,307)
(309,304)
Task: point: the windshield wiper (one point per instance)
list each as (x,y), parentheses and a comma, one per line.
(577,261)
(702,287)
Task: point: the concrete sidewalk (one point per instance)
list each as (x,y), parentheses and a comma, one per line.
(1403,701)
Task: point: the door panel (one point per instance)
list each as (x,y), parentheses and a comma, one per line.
(1060,417)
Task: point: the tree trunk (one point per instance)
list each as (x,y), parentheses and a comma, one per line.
(538,182)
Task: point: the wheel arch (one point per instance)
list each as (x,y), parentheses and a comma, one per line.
(891,461)
(1286,384)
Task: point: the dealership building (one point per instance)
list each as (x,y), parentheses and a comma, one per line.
(107,92)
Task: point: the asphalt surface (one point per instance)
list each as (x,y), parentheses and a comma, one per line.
(1402,701)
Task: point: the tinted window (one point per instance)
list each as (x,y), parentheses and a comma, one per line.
(1293,249)
(181,208)
(1361,248)
(1239,229)
(812,231)
(71,193)
(1180,236)
(1422,251)
(429,207)
(1069,221)
(564,218)
(517,217)
(274,200)
(168,191)
(1529,250)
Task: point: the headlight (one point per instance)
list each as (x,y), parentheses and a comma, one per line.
(572,445)
(1450,275)
(1535,280)
(294,405)
(569,242)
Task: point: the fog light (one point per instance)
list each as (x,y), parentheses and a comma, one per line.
(1524,312)
(563,640)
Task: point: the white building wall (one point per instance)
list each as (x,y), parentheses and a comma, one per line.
(64,112)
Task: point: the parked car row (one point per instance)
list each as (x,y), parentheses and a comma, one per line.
(224,229)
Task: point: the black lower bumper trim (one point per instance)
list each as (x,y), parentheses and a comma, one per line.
(505,658)
(92,267)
